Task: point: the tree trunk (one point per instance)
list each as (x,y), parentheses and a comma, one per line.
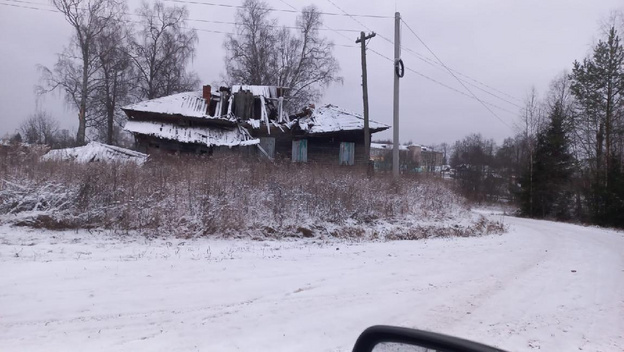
(82,118)
(110,106)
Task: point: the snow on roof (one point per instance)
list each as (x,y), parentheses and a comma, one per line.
(190,104)
(95,151)
(207,136)
(401,147)
(266,91)
(386,146)
(330,118)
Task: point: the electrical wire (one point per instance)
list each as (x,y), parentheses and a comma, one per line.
(421,74)
(269,9)
(188,19)
(477,84)
(443,84)
(420,57)
(487,90)
(453,74)
(328,28)
(25,6)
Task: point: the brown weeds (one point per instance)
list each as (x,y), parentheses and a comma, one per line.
(189,196)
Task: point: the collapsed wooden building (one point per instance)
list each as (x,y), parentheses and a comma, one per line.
(250,119)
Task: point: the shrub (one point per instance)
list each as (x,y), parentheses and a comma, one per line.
(191,196)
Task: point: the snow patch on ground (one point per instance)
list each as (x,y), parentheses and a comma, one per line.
(543,285)
(96,152)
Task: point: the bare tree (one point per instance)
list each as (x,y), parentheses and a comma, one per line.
(474,158)
(532,123)
(39,128)
(615,19)
(262,53)
(250,55)
(162,50)
(559,92)
(76,67)
(113,79)
(311,66)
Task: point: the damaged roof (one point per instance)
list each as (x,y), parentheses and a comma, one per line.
(330,118)
(317,121)
(191,104)
(265,91)
(238,136)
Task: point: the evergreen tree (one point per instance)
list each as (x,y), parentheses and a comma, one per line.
(551,173)
(598,86)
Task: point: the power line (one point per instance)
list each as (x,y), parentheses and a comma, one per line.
(129,14)
(294,9)
(29,2)
(429,61)
(276,26)
(427,77)
(443,84)
(268,8)
(414,53)
(345,13)
(476,84)
(353,17)
(453,74)
(189,19)
(326,27)
(25,6)
(435,64)
(209,30)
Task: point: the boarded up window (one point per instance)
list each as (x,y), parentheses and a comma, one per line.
(300,151)
(267,147)
(347,153)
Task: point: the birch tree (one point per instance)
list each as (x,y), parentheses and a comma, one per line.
(532,123)
(114,79)
(76,67)
(263,53)
(162,50)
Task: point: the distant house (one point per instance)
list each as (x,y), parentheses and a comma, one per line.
(431,160)
(412,158)
(251,119)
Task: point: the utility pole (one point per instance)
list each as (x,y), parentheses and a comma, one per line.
(362,40)
(399,71)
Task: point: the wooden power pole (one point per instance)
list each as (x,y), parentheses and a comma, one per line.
(398,73)
(362,40)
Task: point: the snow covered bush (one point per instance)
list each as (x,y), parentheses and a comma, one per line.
(189,196)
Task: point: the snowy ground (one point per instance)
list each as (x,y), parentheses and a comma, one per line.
(543,285)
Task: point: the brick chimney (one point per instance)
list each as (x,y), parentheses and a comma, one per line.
(206,93)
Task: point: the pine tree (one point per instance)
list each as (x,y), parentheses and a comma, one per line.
(551,173)
(598,87)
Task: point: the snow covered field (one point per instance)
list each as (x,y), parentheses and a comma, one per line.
(543,285)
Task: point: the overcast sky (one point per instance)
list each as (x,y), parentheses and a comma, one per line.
(508,45)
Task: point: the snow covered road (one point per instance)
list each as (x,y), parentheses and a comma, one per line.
(543,285)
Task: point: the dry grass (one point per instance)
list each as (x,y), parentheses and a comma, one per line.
(187,196)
